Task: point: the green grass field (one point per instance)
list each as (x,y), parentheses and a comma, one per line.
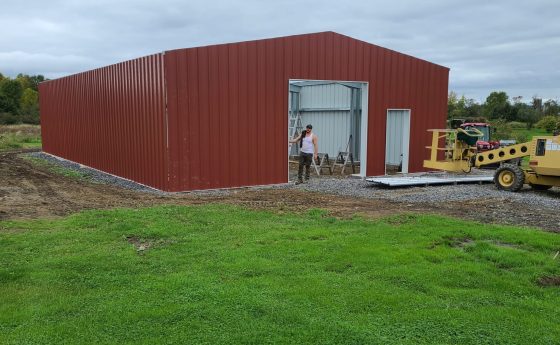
(529,133)
(57,168)
(220,274)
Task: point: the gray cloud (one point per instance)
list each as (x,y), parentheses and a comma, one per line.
(498,45)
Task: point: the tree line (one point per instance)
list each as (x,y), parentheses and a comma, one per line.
(19,99)
(499,107)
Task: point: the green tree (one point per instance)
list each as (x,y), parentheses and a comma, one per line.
(452,105)
(35,80)
(462,107)
(29,106)
(497,106)
(25,81)
(551,107)
(10,95)
(472,108)
(526,113)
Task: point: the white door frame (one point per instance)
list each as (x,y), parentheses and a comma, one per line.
(363,124)
(405,142)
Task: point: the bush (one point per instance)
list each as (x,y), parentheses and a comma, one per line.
(521,137)
(9,119)
(502,130)
(30,119)
(548,123)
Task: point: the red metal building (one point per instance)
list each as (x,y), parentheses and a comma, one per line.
(216,116)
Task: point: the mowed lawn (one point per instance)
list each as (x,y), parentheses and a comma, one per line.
(221,274)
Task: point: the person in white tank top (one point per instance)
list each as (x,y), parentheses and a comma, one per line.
(308,151)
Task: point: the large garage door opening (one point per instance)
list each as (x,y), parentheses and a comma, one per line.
(337,110)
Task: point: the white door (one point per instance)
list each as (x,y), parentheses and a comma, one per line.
(397,140)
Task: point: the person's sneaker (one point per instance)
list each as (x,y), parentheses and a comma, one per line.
(299,182)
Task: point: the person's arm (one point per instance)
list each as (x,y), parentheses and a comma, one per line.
(293,141)
(315,146)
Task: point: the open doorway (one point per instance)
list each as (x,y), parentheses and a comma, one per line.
(338,112)
(397,141)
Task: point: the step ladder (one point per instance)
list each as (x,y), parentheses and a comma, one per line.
(324,163)
(343,158)
(295,127)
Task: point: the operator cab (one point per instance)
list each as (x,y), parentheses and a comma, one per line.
(484,143)
(483,127)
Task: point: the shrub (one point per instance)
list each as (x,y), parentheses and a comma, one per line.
(9,119)
(548,123)
(502,130)
(521,137)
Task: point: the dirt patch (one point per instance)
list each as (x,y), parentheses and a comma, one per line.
(459,242)
(454,242)
(140,244)
(549,281)
(29,191)
(144,244)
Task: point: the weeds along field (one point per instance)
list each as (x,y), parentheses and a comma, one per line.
(19,137)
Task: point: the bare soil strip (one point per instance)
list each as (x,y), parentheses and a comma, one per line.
(28,191)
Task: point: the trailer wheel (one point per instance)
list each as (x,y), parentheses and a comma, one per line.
(540,187)
(509,177)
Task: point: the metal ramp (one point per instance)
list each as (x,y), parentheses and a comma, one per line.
(407,181)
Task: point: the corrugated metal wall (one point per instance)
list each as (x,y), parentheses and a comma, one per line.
(332,129)
(111,119)
(327,96)
(331,126)
(228,104)
(227,108)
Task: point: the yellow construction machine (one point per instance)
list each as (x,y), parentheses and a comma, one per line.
(459,154)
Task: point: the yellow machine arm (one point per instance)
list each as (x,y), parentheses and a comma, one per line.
(502,154)
(460,153)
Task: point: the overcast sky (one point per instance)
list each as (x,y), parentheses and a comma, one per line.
(489,45)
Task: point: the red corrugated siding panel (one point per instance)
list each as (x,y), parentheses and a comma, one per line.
(234,127)
(244,89)
(234,117)
(109,119)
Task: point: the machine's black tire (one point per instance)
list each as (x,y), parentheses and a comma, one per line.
(540,187)
(509,177)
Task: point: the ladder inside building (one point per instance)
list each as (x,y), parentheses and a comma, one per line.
(345,158)
(294,127)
